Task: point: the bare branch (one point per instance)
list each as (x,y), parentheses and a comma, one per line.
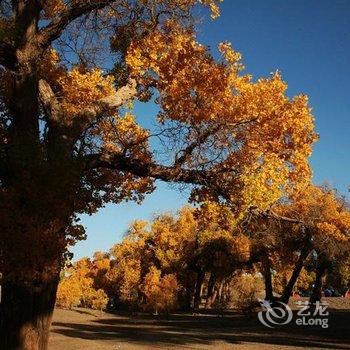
(53,31)
(203,137)
(186,153)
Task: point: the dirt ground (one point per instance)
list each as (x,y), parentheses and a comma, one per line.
(83,329)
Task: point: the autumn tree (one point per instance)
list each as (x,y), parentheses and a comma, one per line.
(191,245)
(327,218)
(160,292)
(130,261)
(80,285)
(314,220)
(220,249)
(166,243)
(339,274)
(69,144)
(99,300)
(68,293)
(274,242)
(283,274)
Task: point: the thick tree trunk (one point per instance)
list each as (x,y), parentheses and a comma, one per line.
(216,294)
(288,289)
(188,295)
(25,314)
(317,290)
(267,279)
(197,294)
(211,289)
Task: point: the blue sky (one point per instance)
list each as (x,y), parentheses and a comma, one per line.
(309,42)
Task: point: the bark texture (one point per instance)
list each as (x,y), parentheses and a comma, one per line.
(25,314)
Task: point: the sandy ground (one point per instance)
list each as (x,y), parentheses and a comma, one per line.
(83,329)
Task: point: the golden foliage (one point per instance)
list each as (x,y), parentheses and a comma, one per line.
(156,261)
(77,88)
(323,211)
(68,293)
(268,135)
(93,152)
(78,286)
(160,292)
(99,300)
(213,5)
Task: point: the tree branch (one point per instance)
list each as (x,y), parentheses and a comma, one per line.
(48,100)
(52,31)
(187,152)
(270,214)
(99,107)
(142,169)
(121,96)
(65,131)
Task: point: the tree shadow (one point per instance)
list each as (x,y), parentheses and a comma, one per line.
(184,329)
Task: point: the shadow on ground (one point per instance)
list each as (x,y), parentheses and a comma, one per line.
(185,329)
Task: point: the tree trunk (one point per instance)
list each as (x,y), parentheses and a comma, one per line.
(317,290)
(202,287)
(25,314)
(197,294)
(267,279)
(220,290)
(211,289)
(213,297)
(296,272)
(188,295)
(226,296)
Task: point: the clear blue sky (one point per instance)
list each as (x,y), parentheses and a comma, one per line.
(309,42)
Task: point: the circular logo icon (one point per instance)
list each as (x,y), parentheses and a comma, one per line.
(278,314)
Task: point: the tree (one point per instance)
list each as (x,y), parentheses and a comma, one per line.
(303,283)
(327,217)
(68,145)
(188,245)
(130,261)
(80,285)
(220,249)
(278,242)
(314,220)
(160,292)
(339,277)
(99,300)
(68,293)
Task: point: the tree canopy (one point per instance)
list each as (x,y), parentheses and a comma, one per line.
(70,142)
(176,261)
